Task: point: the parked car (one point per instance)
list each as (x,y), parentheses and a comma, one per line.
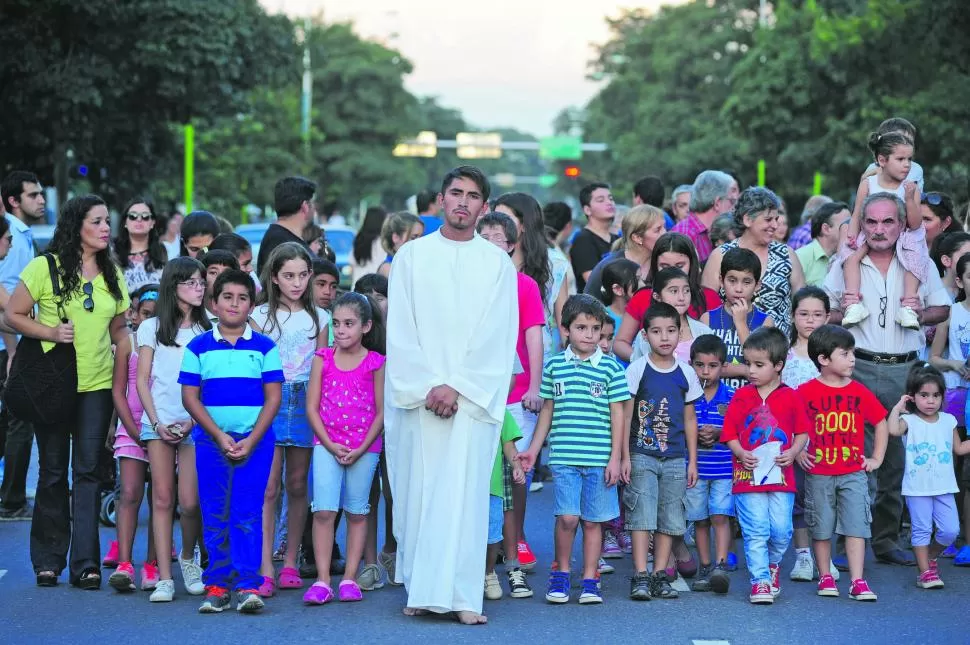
(340,238)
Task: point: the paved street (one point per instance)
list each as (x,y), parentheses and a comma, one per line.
(903,614)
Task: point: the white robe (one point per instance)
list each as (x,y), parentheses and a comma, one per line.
(452,320)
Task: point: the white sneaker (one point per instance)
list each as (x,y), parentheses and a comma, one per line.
(605,567)
(835,572)
(493,589)
(164,591)
(192,577)
(907,318)
(804,569)
(535,487)
(371,577)
(855,314)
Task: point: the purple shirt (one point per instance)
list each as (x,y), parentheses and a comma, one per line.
(694,228)
(801,236)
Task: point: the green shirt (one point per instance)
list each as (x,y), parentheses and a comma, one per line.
(510,432)
(582,391)
(815,263)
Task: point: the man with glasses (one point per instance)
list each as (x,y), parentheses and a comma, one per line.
(713,193)
(885,351)
(23,201)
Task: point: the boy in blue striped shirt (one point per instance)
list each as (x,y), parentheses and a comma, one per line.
(231,385)
(584,391)
(710,501)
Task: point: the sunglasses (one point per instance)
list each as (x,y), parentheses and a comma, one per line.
(144,217)
(933,199)
(88,289)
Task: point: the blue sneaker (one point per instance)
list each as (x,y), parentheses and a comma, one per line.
(591,592)
(841,562)
(963,557)
(949,552)
(558,589)
(731,564)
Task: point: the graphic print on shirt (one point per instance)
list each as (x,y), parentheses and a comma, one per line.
(760,426)
(653,424)
(928,455)
(835,439)
(963,335)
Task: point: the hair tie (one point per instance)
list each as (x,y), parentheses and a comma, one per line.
(149,295)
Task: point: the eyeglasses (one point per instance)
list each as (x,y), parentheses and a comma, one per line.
(882,311)
(88,289)
(144,217)
(193,284)
(933,199)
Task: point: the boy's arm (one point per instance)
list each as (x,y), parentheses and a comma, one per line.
(613,469)
(690,434)
(879,447)
(272,395)
(960,447)
(193,405)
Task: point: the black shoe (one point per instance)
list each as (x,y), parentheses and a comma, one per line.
(720,580)
(897,556)
(21,514)
(660,588)
(703,580)
(640,586)
(90,580)
(308,570)
(518,585)
(337,567)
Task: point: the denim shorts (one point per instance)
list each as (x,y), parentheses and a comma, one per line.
(838,504)
(148,434)
(709,497)
(338,487)
(496,518)
(582,491)
(654,498)
(290,424)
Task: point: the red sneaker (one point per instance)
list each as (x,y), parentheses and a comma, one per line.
(761,594)
(860,591)
(827,586)
(773,569)
(123,578)
(929,579)
(527,559)
(111,557)
(934,565)
(149,575)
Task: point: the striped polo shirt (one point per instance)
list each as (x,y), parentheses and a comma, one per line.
(714,463)
(581,391)
(231,377)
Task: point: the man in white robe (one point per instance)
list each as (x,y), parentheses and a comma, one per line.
(451,333)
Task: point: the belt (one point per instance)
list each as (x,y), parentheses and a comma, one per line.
(885,359)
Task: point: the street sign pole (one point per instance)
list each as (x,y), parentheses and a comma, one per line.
(189,166)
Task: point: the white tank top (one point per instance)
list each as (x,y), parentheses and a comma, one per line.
(957,343)
(929,456)
(874,188)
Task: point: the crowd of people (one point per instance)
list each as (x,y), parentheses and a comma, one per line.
(686,371)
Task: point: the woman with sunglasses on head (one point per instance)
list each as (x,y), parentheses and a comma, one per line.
(138,247)
(936,209)
(90,314)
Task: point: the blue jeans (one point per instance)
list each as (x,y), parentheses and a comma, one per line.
(766,524)
(582,491)
(231,496)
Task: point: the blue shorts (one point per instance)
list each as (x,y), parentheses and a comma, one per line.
(148,434)
(338,487)
(582,491)
(709,497)
(290,424)
(496,519)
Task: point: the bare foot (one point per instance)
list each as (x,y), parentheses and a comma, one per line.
(414,611)
(470,618)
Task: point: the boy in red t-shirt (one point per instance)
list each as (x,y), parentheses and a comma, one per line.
(836,486)
(763,413)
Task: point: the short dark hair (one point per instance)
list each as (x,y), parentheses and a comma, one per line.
(232,242)
(771,340)
(739,259)
(371,283)
(220,257)
(556,216)
(650,190)
(322,265)
(424,200)
(660,310)
(290,193)
(826,339)
(468,172)
(586,194)
(502,221)
(13,186)
(582,303)
(709,344)
(234,276)
(824,213)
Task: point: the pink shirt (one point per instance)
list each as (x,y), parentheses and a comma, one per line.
(347,406)
(694,228)
(531,314)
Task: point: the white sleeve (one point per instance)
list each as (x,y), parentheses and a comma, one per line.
(147,334)
(694,389)
(634,373)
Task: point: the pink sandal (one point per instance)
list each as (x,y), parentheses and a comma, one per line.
(267,589)
(290,578)
(319,593)
(349,591)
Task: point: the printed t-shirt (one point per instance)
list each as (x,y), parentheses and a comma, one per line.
(295,336)
(714,463)
(722,324)
(660,396)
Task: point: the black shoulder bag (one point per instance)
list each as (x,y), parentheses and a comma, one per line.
(42,386)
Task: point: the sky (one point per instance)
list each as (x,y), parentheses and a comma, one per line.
(503,63)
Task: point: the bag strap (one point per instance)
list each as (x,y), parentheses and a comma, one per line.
(56,285)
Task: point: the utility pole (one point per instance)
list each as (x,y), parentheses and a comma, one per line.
(305,103)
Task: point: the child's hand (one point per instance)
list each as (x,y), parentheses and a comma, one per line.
(903,400)
(626,468)
(748,460)
(707,436)
(691,474)
(612,473)
(786,458)
(518,475)
(805,461)
(339,451)
(242,449)
(869,173)
(166,435)
(226,444)
(740,309)
(531,401)
(871,464)
(909,190)
(526,459)
(350,457)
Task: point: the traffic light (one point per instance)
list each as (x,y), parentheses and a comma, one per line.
(572,172)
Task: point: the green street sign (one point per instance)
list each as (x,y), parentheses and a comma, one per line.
(561,148)
(548,181)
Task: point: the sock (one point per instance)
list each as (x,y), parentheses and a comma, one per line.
(805,551)
(512,563)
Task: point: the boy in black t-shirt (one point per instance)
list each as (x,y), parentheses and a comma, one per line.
(595,240)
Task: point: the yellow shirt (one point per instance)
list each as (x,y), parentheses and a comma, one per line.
(92,340)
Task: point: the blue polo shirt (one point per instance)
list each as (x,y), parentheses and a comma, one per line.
(714,463)
(20,254)
(231,377)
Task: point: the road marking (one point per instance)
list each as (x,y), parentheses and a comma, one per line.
(707,642)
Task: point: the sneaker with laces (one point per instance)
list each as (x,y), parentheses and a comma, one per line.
(827,587)
(611,546)
(371,577)
(929,579)
(640,586)
(248,601)
(720,580)
(164,591)
(216,600)
(591,592)
(859,590)
(703,580)
(907,318)
(518,585)
(855,314)
(557,591)
(775,571)
(493,590)
(527,559)
(660,587)
(388,561)
(192,577)
(123,578)
(536,486)
(111,557)
(626,542)
(761,593)
(149,575)
(605,567)
(804,569)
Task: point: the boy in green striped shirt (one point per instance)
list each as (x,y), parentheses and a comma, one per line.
(584,391)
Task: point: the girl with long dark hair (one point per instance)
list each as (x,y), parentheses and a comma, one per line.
(138,247)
